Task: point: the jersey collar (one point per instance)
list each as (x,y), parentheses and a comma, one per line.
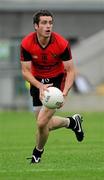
(50,41)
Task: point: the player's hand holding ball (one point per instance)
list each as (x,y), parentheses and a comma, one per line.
(53,98)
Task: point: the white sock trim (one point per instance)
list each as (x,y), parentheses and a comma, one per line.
(39,149)
(68,122)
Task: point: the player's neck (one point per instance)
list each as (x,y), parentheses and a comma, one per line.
(43,41)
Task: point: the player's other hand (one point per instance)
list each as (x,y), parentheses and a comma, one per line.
(43,87)
(65,94)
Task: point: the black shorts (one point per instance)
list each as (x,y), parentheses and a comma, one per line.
(57,81)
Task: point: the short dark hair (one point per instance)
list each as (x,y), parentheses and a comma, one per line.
(42,12)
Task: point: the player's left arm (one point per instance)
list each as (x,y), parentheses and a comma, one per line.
(66,57)
(70,75)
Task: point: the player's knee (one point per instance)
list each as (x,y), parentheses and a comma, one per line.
(41,123)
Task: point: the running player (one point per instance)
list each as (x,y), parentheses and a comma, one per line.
(46,60)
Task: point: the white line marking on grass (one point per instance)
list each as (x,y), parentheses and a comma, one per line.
(32,170)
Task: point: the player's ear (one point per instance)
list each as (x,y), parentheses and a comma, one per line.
(35,26)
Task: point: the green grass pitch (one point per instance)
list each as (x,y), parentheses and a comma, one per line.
(64,158)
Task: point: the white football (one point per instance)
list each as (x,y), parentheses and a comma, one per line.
(53,98)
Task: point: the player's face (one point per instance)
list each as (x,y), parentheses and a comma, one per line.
(44,28)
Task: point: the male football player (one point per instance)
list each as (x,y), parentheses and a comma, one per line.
(46,60)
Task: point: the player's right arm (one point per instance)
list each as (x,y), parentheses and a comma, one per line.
(26,72)
(26,58)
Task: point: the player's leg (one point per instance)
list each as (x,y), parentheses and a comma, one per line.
(37,105)
(36,110)
(43,117)
(74,123)
(57,122)
(46,122)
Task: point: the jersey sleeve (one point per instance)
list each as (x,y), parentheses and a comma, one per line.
(66,55)
(24,54)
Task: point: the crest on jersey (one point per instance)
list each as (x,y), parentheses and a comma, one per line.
(35,56)
(54,55)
